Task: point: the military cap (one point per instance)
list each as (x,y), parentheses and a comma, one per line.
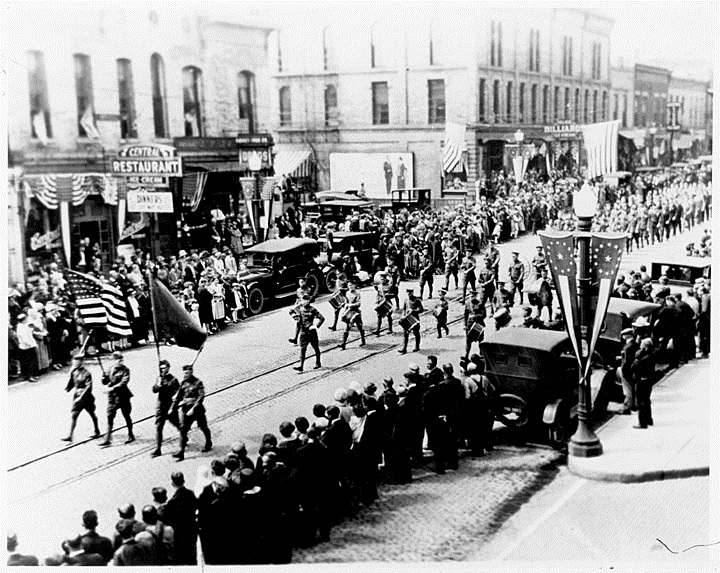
(117,355)
(187,367)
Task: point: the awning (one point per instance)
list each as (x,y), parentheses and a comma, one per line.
(637,135)
(215,166)
(292,162)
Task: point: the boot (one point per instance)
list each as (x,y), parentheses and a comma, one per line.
(362,337)
(390,330)
(344,340)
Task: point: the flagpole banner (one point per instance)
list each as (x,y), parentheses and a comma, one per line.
(606,250)
(601,145)
(173,321)
(559,249)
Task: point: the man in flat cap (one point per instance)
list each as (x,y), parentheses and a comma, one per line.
(189,403)
(81,382)
(117,379)
(412,307)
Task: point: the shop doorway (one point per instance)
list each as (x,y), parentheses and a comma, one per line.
(493,156)
(98,231)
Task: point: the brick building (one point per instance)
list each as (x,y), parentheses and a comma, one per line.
(688,100)
(89,80)
(369,85)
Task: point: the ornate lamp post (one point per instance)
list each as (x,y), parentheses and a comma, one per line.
(584,442)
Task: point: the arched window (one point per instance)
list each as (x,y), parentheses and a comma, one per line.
(192,101)
(246,98)
(285,106)
(331,110)
(159,95)
(126,98)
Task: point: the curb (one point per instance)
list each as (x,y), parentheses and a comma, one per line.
(638,477)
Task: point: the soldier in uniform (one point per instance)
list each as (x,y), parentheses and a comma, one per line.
(427,274)
(468,267)
(494,256)
(474,314)
(309,319)
(341,287)
(517,274)
(538,261)
(450,257)
(119,395)
(300,293)
(188,402)
(352,314)
(384,294)
(441,314)
(83,399)
(413,306)
(166,386)
(486,283)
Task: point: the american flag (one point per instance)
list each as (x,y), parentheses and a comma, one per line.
(454,148)
(606,251)
(559,249)
(601,144)
(99,304)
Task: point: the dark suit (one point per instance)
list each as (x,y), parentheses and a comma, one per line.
(214,516)
(84,559)
(92,542)
(180,515)
(315,489)
(338,440)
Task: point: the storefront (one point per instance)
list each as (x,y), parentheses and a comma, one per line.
(497,149)
(295,171)
(565,145)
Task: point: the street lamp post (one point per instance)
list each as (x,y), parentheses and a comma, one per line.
(584,443)
(255,164)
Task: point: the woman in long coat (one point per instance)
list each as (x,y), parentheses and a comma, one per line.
(205,300)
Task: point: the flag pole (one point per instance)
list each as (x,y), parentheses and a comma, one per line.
(197,355)
(152,306)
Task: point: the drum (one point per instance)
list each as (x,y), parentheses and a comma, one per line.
(337,300)
(475,329)
(409,321)
(438,310)
(384,308)
(350,315)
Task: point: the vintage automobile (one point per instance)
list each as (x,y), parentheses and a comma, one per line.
(274,268)
(360,246)
(410,199)
(337,209)
(536,377)
(681,271)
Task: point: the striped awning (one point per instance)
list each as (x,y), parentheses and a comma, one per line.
(293,162)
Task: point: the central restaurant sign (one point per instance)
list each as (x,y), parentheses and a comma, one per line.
(147,160)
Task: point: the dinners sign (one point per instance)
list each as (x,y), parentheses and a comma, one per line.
(149,202)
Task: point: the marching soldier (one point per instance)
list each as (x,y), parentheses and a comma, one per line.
(309,319)
(427,274)
(352,314)
(517,274)
(486,282)
(441,314)
(468,267)
(383,302)
(494,256)
(341,288)
(188,402)
(83,399)
(166,386)
(412,307)
(474,322)
(300,293)
(450,257)
(119,395)
(538,261)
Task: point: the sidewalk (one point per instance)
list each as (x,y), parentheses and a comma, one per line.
(675,446)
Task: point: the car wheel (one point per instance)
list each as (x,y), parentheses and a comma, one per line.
(331,280)
(512,411)
(256,300)
(312,284)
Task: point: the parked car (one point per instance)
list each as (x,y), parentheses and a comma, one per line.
(535,374)
(337,209)
(621,313)
(681,271)
(360,246)
(274,268)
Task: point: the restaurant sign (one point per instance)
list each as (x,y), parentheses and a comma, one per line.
(563,130)
(147,161)
(146,201)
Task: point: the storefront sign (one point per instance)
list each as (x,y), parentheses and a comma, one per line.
(264,155)
(150,202)
(149,180)
(133,228)
(147,160)
(563,130)
(38,241)
(194,144)
(255,140)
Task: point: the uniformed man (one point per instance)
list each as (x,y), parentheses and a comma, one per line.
(486,284)
(309,320)
(352,315)
(300,293)
(468,267)
(427,274)
(385,294)
(441,314)
(494,256)
(117,379)
(516,272)
(530,321)
(538,261)
(450,258)
(188,402)
(412,306)
(83,399)
(166,386)
(474,322)
(341,288)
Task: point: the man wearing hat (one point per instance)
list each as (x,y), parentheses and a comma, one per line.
(468,268)
(494,256)
(166,386)
(474,321)
(188,402)
(538,261)
(441,313)
(117,379)
(427,274)
(383,300)
(28,348)
(352,314)
(643,370)
(309,320)
(81,382)
(411,307)
(516,272)
(624,371)
(341,288)
(450,258)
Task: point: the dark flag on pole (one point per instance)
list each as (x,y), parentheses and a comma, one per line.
(559,248)
(172,320)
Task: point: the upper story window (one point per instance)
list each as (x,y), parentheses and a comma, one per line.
(534,51)
(496,44)
(533,103)
(567,56)
(380,103)
(509,102)
(596,61)
(566,107)
(40,127)
(126,98)
(576,107)
(595,107)
(381,38)
(616,106)
(496,100)
(586,107)
(193,101)
(84,94)
(521,103)
(327,49)
(159,95)
(624,110)
(481,100)
(279,53)
(604,108)
(331,108)
(285,106)
(436,101)
(546,104)
(556,104)
(246,98)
